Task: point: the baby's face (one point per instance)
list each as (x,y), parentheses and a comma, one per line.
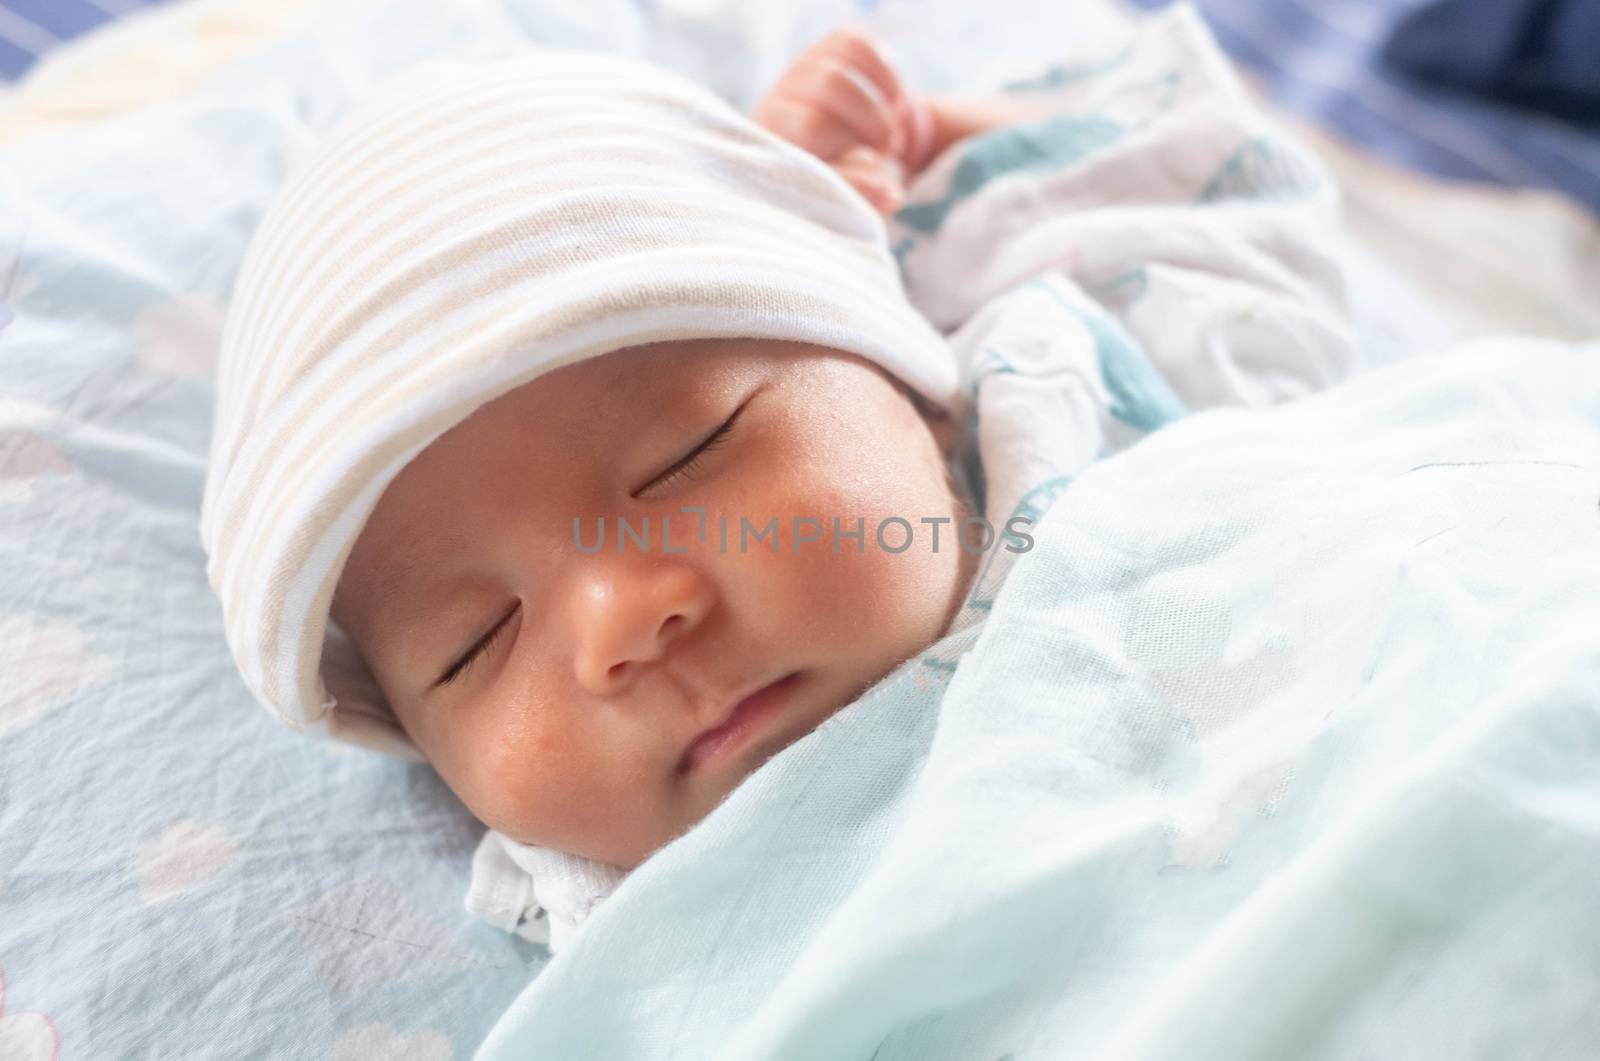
(571,728)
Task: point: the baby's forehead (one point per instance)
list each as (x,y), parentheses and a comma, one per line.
(640,399)
(641,375)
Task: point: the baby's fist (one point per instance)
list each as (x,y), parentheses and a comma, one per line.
(844,102)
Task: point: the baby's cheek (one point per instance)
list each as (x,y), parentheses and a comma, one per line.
(906,574)
(563,780)
(515,771)
(872,550)
(852,590)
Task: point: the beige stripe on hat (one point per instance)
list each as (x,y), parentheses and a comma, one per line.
(475,222)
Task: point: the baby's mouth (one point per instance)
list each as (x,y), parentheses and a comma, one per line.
(745,720)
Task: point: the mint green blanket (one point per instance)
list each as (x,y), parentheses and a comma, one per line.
(1283,743)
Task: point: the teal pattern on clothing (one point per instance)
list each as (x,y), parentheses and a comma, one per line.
(1032,506)
(1141,397)
(990,361)
(1261,169)
(1055,142)
(1062,74)
(900,250)
(1051,143)
(1124,289)
(968,464)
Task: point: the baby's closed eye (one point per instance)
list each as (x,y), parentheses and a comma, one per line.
(685,466)
(479,648)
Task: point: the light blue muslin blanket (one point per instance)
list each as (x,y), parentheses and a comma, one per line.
(1283,741)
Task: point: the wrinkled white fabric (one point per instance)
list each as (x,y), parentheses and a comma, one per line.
(541,894)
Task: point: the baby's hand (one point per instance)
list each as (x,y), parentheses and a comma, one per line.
(843,101)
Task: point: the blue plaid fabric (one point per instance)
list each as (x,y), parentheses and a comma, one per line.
(1329,61)
(29,28)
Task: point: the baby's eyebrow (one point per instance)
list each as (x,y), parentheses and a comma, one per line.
(400,576)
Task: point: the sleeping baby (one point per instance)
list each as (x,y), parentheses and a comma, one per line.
(595,442)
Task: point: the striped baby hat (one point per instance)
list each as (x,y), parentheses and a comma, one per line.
(472,222)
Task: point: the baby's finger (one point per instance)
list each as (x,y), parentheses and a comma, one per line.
(881,179)
(852,99)
(917,121)
(862,159)
(858,51)
(885,199)
(803,123)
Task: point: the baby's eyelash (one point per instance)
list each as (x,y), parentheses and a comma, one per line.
(480,649)
(686,469)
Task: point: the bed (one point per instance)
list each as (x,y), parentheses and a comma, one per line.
(170,884)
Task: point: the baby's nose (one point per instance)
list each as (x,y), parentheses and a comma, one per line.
(629,612)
